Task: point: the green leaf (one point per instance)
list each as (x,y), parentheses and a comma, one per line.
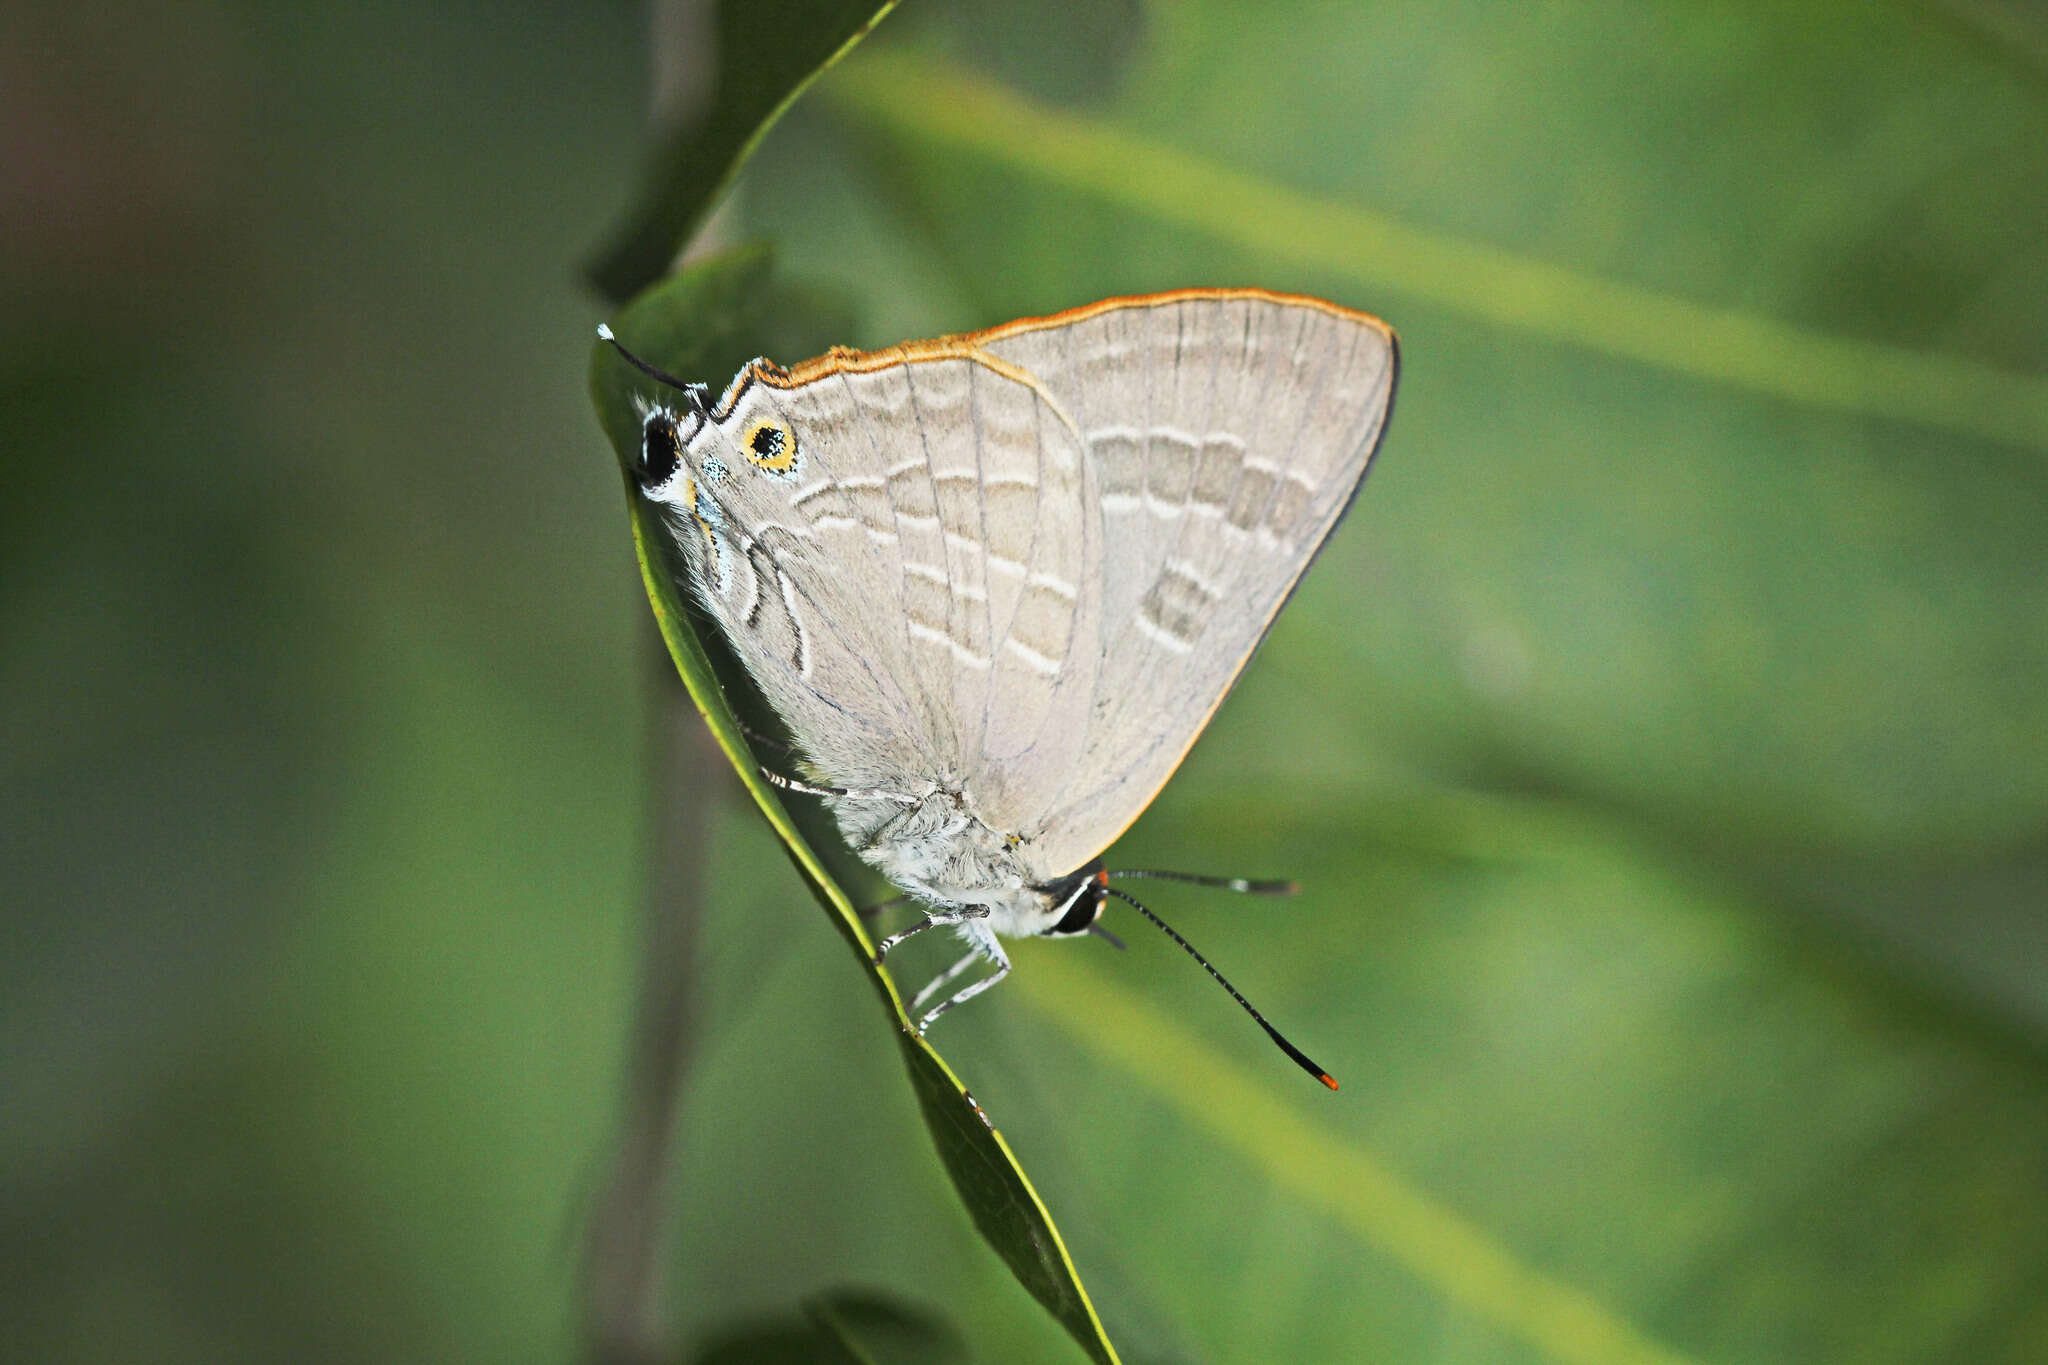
(768,51)
(1604,1110)
(1598,1107)
(708,320)
(1672,510)
(960,114)
(1710,521)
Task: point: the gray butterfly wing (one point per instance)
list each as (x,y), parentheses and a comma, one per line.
(1028,564)
(1227,432)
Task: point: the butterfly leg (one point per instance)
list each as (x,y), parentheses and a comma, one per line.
(1002,961)
(944,978)
(759,740)
(790,784)
(932,921)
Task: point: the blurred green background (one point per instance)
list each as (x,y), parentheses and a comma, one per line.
(1662,742)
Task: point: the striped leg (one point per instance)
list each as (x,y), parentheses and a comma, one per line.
(790,784)
(1002,961)
(951,973)
(932,921)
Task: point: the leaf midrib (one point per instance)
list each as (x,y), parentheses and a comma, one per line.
(916,96)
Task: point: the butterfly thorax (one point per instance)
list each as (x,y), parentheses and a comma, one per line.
(939,851)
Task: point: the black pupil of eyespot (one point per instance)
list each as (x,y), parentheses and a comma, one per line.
(660,453)
(768,442)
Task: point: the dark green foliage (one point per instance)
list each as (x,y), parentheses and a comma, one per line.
(767,51)
(847,1327)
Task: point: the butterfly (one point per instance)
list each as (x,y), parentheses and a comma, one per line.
(996,584)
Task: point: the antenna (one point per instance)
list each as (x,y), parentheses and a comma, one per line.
(1301,1059)
(695,391)
(1245,884)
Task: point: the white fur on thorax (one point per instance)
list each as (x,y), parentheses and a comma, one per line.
(938,851)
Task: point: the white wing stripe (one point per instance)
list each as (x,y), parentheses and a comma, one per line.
(939,637)
(1163,635)
(1038,661)
(930,574)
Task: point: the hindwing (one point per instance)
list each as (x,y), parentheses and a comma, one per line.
(1027,564)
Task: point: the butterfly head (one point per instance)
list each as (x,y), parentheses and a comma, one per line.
(681,480)
(660,468)
(1075,901)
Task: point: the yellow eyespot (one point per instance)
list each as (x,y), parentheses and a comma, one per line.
(771,445)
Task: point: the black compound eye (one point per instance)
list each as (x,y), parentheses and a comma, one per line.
(661,452)
(1082,894)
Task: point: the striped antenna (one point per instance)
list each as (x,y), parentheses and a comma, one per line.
(1247,885)
(1301,1059)
(695,392)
